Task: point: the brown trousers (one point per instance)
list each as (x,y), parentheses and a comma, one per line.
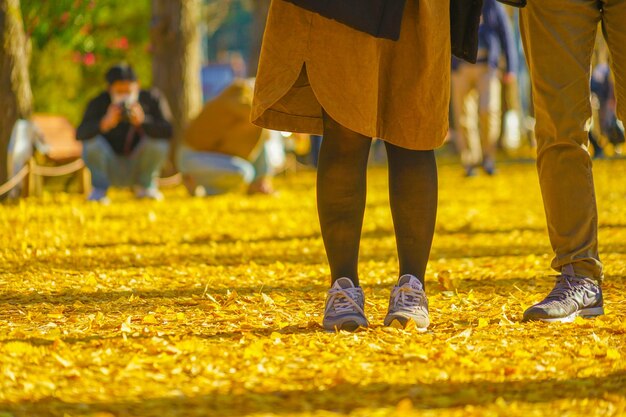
(559,38)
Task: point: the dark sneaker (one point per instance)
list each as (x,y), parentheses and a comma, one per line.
(489,165)
(571,297)
(470,171)
(344,307)
(99,195)
(408,306)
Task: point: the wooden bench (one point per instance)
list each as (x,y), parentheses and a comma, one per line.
(56,147)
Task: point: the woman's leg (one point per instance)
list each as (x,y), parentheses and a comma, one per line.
(413,196)
(341,193)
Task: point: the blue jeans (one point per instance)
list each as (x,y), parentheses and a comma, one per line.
(219,173)
(141,167)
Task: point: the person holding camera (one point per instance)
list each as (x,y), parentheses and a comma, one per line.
(126,133)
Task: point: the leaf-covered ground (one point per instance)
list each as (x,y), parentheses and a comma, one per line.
(212,307)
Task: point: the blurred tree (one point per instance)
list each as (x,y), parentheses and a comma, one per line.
(227,29)
(176,57)
(261,9)
(234,26)
(15,91)
(215,13)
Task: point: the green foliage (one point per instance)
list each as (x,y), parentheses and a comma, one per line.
(227,26)
(75,41)
(216,13)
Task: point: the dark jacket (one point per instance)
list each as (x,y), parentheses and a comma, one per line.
(380,18)
(464,23)
(495,38)
(156,125)
(383,19)
(514,3)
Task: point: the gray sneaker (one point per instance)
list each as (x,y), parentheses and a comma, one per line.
(344,307)
(571,296)
(408,305)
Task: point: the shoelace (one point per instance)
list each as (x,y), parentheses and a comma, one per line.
(342,300)
(408,297)
(564,288)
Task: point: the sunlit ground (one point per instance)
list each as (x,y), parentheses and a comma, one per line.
(212,307)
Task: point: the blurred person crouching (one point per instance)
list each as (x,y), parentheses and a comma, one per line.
(126,133)
(222,150)
(478,137)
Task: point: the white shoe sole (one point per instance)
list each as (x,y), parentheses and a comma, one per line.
(584,313)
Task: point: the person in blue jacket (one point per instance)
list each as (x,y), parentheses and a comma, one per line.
(478,124)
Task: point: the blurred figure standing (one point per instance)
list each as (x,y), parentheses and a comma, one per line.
(605,123)
(477,91)
(126,133)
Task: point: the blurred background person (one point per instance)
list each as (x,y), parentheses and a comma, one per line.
(605,126)
(518,118)
(477,91)
(222,150)
(126,133)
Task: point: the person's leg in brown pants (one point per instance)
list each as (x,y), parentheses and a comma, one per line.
(559,39)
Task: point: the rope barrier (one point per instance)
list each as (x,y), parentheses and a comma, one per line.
(48,171)
(15,181)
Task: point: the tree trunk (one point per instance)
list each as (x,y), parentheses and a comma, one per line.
(261,7)
(176,61)
(15,93)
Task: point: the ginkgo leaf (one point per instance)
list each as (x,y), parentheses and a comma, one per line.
(613,354)
(149,319)
(126,326)
(215,308)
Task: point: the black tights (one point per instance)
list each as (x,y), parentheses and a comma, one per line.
(341,194)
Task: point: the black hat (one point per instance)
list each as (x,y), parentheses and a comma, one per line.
(120,72)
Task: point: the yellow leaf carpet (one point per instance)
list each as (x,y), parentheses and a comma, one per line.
(212,307)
